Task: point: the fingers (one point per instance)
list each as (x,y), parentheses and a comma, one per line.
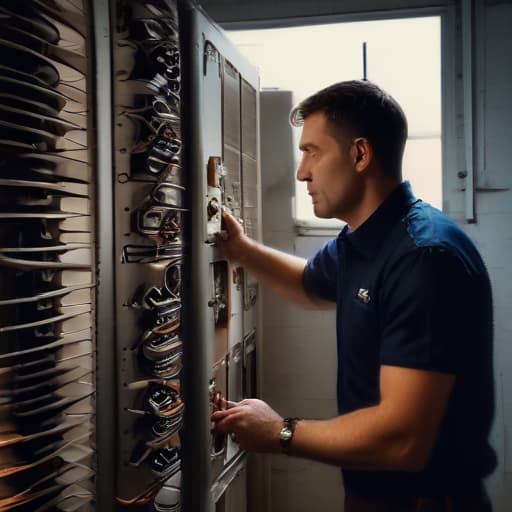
(231,239)
(231,224)
(228,218)
(226,421)
(228,231)
(253,422)
(219,415)
(226,418)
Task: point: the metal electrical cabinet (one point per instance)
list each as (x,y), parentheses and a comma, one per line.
(125,128)
(223,123)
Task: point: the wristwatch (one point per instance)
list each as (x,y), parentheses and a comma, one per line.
(286,433)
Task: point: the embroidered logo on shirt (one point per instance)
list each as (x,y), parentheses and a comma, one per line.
(363,295)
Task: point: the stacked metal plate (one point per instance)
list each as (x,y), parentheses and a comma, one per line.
(46,258)
(150,200)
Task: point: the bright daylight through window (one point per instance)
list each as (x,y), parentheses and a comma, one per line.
(403,57)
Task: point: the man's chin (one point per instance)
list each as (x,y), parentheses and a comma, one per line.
(321,214)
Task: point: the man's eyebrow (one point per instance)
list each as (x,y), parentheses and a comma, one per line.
(307,145)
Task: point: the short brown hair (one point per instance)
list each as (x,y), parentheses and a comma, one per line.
(358,108)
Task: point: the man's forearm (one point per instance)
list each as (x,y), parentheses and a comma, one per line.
(397,434)
(281,272)
(359,440)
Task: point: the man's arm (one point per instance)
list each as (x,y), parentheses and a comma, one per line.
(280,271)
(397,434)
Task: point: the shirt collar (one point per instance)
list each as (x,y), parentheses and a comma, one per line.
(369,236)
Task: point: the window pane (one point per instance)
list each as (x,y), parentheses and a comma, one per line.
(422,167)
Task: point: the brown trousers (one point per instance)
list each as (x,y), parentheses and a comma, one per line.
(476,503)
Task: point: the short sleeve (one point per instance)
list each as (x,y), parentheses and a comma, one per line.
(321,272)
(424,311)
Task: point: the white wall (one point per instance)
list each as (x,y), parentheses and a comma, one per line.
(299,350)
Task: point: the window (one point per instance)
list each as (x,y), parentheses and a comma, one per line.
(403,57)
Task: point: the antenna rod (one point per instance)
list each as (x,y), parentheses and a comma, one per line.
(364,61)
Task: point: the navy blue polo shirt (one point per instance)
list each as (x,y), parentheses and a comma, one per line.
(411,290)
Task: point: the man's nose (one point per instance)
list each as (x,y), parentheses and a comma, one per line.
(303,173)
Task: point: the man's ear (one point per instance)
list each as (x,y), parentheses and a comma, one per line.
(362,153)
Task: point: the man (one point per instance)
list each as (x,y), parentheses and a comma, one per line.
(414,320)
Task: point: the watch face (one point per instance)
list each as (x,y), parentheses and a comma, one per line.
(286,434)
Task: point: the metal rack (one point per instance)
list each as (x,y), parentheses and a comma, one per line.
(149,200)
(47,258)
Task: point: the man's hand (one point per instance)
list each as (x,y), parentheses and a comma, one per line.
(254,425)
(233,242)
